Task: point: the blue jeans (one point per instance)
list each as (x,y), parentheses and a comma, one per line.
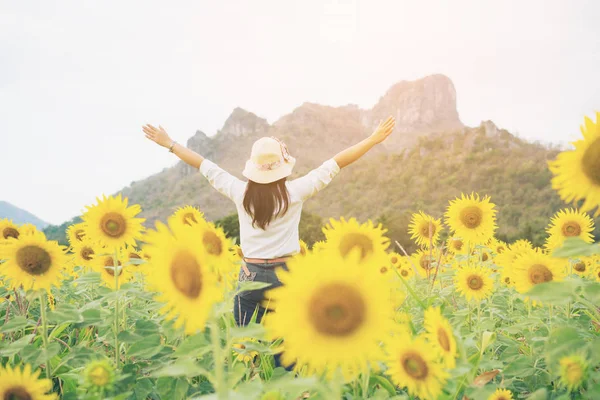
(246,303)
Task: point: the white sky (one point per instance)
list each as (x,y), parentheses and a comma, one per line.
(79,78)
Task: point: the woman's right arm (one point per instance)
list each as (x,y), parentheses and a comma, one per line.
(353,153)
(160,137)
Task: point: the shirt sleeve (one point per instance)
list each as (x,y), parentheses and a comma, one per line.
(308,185)
(222,180)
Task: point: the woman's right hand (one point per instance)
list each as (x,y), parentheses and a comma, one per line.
(383,130)
(157,135)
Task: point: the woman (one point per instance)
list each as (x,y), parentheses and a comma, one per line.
(268,205)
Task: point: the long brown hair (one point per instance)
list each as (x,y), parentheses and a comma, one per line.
(266,201)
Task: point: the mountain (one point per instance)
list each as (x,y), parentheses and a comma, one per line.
(430,158)
(19,216)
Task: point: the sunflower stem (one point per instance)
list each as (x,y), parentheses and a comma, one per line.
(220,383)
(45,332)
(115,266)
(365,382)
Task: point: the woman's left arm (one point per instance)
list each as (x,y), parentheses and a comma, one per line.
(160,137)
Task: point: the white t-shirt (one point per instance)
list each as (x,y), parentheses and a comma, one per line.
(281,236)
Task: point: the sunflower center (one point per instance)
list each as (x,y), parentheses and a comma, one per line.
(404,272)
(443,339)
(425,231)
(579,267)
(109,266)
(458,244)
(574,372)
(134,256)
(484,257)
(415,366)
(337,310)
(86,253)
(474,282)
(187,217)
(539,273)
(99,376)
(500,249)
(591,162)
(471,217)
(571,228)
(79,234)
(34,260)
(10,232)
(383,270)
(425,262)
(353,240)
(186,274)
(17,393)
(113,224)
(212,243)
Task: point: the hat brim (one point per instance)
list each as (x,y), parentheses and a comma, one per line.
(269,176)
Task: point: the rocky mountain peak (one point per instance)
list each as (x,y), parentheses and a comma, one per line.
(241,122)
(421,107)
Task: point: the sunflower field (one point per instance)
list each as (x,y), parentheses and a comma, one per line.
(127,312)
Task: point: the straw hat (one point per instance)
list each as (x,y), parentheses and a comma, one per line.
(269,161)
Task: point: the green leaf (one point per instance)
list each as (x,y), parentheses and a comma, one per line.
(256,331)
(145,348)
(384,383)
(16,324)
(128,337)
(576,247)
(182,367)
(13,348)
(554,292)
(145,327)
(193,346)
(169,388)
(90,278)
(65,313)
(92,316)
(250,285)
(540,394)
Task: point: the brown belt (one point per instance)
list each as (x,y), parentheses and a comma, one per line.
(261,261)
(266,260)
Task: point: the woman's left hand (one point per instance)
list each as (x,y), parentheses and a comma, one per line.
(157,135)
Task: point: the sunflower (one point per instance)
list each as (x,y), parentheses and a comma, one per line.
(22,384)
(583,266)
(472,219)
(535,267)
(8,230)
(569,223)
(112,224)
(76,233)
(456,245)
(573,369)
(180,272)
(188,215)
(343,236)
(474,283)
(425,229)
(501,394)
(481,254)
(303,247)
(99,375)
(105,265)
(241,354)
(412,364)
(27,229)
(507,258)
(34,262)
(577,172)
(425,262)
(439,334)
(406,270)
(318,246)
(84,252)
(497,246)
(331,312)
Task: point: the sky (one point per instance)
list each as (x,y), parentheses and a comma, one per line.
(79,78)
